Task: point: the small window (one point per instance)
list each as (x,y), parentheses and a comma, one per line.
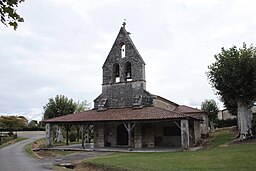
(128,71)
(122,50)
(116,73)
(172,131)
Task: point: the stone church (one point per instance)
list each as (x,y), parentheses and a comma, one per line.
(125,114)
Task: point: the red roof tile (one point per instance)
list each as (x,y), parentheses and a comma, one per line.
(123,114)
(187,110)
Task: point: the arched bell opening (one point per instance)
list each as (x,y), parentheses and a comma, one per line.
(128,71)
(122,49)
(116,73)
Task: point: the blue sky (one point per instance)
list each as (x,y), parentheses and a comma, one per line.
(61,47)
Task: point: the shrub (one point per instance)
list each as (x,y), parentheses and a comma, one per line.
(226,123)
(72,136)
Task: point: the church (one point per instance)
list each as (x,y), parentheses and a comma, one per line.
(125,114)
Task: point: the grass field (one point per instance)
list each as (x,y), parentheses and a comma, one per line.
(12,141)
(220,154)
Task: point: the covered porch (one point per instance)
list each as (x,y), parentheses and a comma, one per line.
(148,127)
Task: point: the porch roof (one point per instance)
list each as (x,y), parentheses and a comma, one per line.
(187,110)
(121,114)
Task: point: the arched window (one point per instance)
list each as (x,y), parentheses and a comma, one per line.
(116,73)
(128,71)
(122,50)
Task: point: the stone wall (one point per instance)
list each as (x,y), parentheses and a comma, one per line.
(204,124)
(111,134)
(124,95)
(166,141)
(197,131)
(164,104)
(148,135)
(131,55)
(99,136)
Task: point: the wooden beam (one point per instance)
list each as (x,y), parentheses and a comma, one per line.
(129,127)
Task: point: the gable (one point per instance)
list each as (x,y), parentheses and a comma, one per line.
(131,51)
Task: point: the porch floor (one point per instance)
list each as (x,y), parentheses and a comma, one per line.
(90,147)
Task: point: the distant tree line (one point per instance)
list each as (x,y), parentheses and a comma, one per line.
(18,123)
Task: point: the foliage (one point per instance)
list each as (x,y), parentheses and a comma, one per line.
(32,124)
(72,136)
(12,122)
(10,140)
(226,123)
(210,107)
(8,13)
(233,75)
(59,106)
(83,106)
(231,105)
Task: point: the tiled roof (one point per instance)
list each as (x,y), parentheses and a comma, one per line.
(187,110)
(122,114)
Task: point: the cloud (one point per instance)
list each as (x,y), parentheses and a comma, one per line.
(61,47)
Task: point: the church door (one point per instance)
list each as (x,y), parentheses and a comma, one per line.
(122,135)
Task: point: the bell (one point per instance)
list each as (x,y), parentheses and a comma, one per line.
(128,75)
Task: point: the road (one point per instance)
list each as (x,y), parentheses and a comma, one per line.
(14,157)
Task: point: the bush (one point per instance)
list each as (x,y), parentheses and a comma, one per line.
(72,136)
(226,123)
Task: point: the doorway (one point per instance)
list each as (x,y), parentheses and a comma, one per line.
(122,135)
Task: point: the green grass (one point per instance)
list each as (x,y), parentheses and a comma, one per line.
(229,157)
(221,137)
(29,151)
(12,141)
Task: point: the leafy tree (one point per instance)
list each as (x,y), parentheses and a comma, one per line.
(81,107)
(12,122)
(210,107)
(32,124)
(59,106)
(8,13)
(233,75)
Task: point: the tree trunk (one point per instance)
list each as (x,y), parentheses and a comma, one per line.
(244,119)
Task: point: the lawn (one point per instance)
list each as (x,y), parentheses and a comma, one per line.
(220,155)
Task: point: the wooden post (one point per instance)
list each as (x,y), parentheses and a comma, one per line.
(67,127)
(129,127)
(82,136)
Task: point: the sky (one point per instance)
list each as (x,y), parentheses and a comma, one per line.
(62,45)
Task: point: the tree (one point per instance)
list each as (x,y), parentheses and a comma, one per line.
(8,13)
(83,106)
(233,75)
(59,106)
(12,122)
(210,107)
